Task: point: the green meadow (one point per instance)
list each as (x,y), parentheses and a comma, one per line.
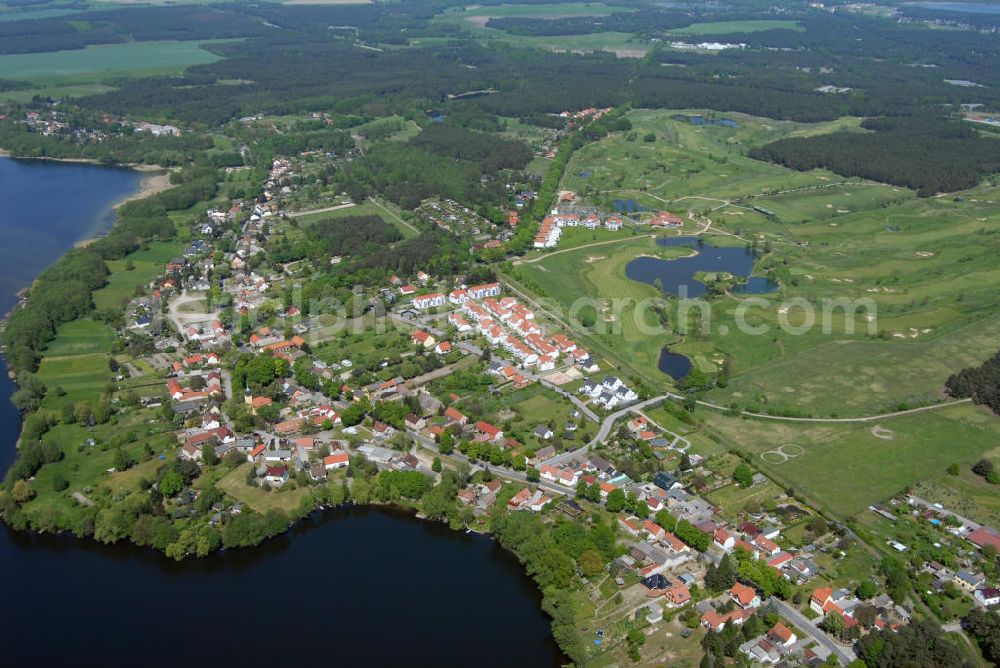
(845,467)
(146,265)
(541,11)
(473,20)
(105,59)
(92,70)
(918,274)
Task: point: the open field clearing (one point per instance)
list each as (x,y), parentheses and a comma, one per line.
(146,264)
(474,19)
(105,60)
(845,467)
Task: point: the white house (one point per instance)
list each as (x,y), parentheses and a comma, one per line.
(432,300)
(987,596)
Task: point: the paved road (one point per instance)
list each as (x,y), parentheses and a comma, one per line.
(677,437)
(606,426)
(846,654)
(868,418)
(501,471)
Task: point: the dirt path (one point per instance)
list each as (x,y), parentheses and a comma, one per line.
(297,214)
(590,245)
(394,216)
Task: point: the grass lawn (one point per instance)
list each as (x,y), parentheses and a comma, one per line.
(86,467)
(386,212)
(363,209)
(147,264)
(81,337)
(919,274)
(845,467)
(732,498)
(598,273)
(729,27)
(234,484)
(967,493)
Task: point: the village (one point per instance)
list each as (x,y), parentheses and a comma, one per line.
(291,402)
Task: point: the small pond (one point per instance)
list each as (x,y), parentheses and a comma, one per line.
(675,365)
(678,275)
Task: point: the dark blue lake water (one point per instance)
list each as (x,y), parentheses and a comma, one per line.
(627,206)
(678,275)
(702,120)
(968,7)
(49,206)
(355,587)
(675,365)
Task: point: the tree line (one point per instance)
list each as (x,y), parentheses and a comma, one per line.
(929,155)
(981,383)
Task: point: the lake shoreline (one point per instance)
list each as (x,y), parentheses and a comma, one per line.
(137,166)
(153,183)
(155,180)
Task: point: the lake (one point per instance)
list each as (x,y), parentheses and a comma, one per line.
(353,586)
(968,7)
(678,275)
(49,206)
(675,365)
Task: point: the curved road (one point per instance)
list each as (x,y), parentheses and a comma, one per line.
(609,422)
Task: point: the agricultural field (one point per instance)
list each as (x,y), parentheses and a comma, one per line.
(81,337)
(76,362)
(474,19)
(844,467)
(106,59)
(85,71)
(730,27)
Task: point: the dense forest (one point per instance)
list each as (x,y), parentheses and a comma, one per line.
(982,383)
(890,69)
(189,22)
(119,149)
(352,235)
(926,154)
(489,152)
(921,644)
(406,174)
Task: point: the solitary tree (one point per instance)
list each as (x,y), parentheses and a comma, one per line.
(742,475)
